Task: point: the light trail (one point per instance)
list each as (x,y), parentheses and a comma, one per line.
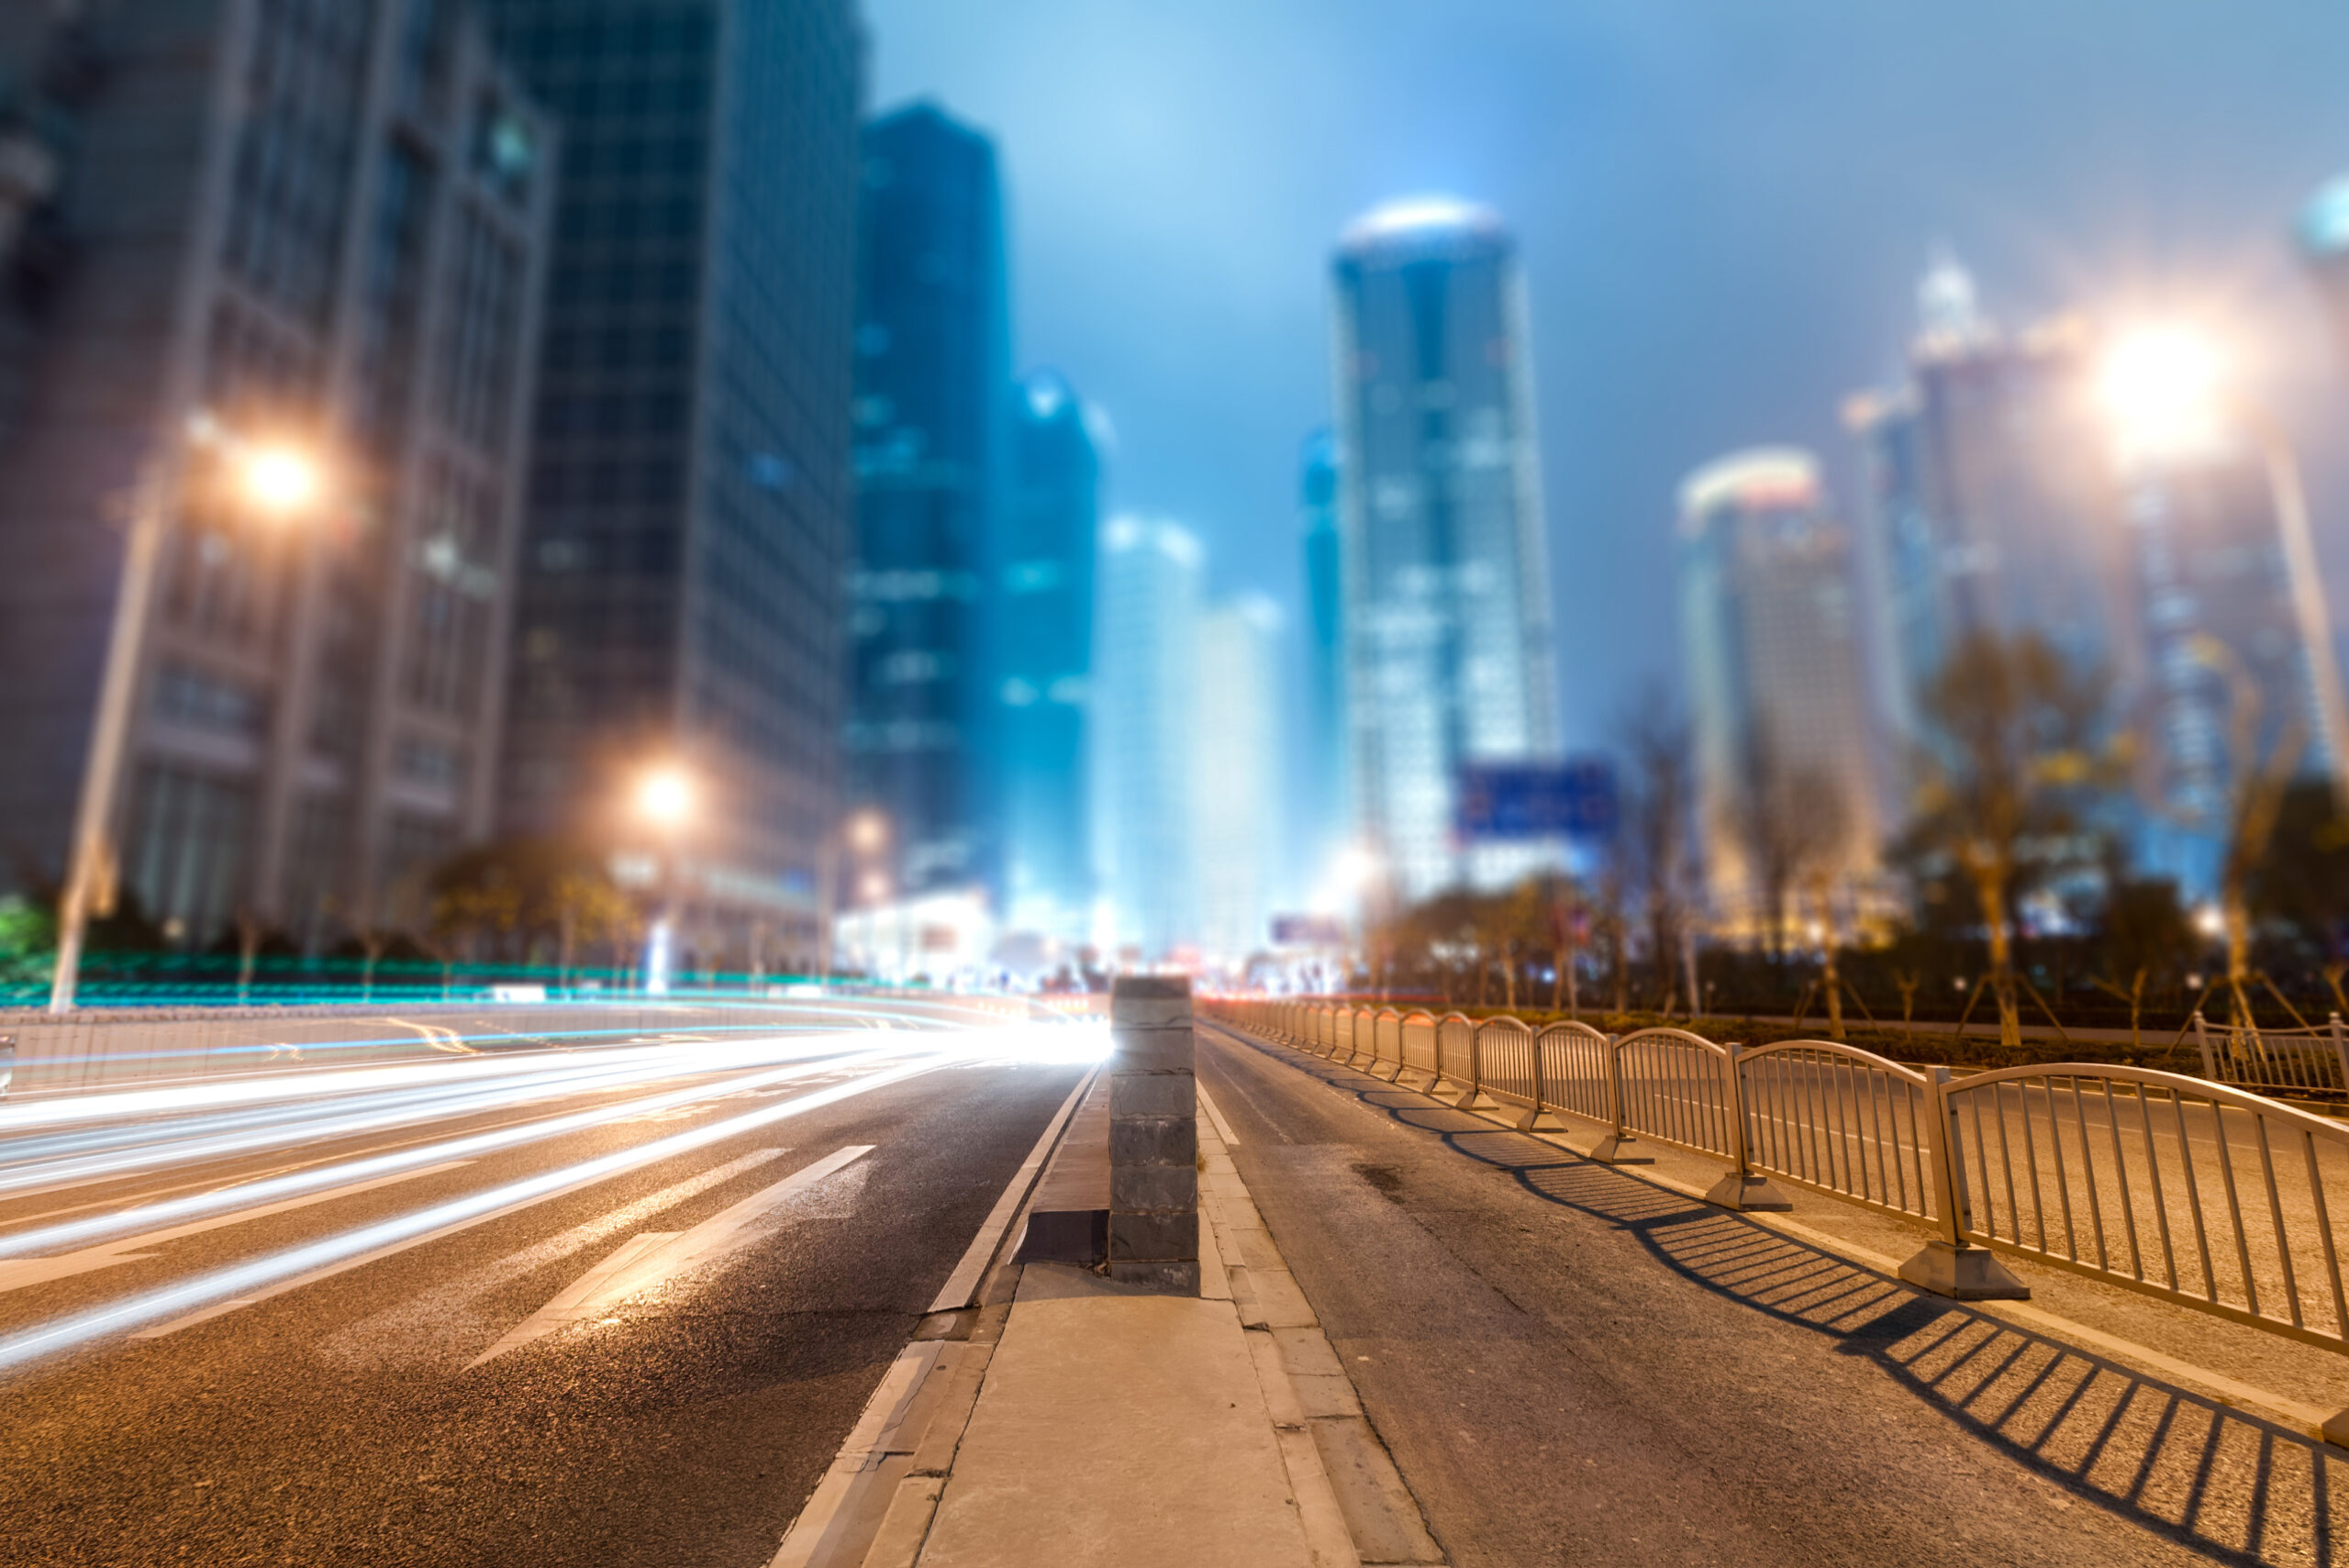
(265,1274)
(92,1154)
(158,1216)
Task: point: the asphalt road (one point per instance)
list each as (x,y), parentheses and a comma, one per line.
(335,1416)
(1572,1365)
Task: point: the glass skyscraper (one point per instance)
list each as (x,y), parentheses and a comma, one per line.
(690,497)
(1772,647)
(1043,656)
(1239,767)
(315,221)
(932,394)
(1988,496)
(1145,736)
(1327,817)
(1446,586)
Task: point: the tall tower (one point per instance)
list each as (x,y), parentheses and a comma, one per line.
(1772,653)
(1988,499)
(1327,805)
(226,224)
(690,495)
(1043,643)
(1145,733)
(1238,758)
(2323,233)
(933,383)
(1449,658)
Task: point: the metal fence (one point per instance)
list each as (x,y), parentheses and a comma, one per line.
(2311,1060)
(2190,1189)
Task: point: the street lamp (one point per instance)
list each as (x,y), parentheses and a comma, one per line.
(2166,390)
(274,478)
(665,797)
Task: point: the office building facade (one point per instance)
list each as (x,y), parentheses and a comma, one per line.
(1241,774)
(690,495)
(1771,643)
(1043,656)
(932,406)
(229,223)
(1145,747)
(1444,561)
(1328,812)
(1987,499)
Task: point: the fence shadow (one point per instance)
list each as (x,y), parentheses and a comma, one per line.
(2222,1482)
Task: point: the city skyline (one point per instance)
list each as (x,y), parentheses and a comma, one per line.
(2171,176)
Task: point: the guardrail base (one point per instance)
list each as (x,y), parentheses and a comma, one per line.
(1962,1274)
(2336,1430)
(1748,1194)
(1539,1122)
(1618,1149)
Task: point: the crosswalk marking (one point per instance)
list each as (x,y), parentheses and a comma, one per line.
(646,1261)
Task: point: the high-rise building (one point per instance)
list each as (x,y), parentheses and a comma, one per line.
(2219,630)
(1446,602)
(2324,249)
(932,383)
(1328,815)
(1145,724)
(1241,766)
(690,494)
(1987,498)
(1043,656)
(1772,647)
(226,225)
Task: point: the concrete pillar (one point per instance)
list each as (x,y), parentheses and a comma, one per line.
(1153,1136)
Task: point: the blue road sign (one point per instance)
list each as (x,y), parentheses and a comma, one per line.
(1573,799)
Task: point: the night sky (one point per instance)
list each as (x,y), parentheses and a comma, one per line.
(1722,205)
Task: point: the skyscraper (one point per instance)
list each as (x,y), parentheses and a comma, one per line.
(1043,656)
(932,380)
(690,495)
(1240,765)
(1446,607)
(1771,648)
(1986,497)
(2323,234)
(227,226)
(1327,817)
(1145,729)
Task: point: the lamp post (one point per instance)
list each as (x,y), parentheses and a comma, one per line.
(275,480)
(2166,390)
(664,802)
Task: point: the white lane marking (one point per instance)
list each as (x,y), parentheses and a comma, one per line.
(1222,1128)
(437,1037)
(447,1321)
(16,1273)
(527,1194)
(650,1258)
(962,1284)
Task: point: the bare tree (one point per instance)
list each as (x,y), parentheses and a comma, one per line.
(2012,746)
(1788,820)
(1658,818)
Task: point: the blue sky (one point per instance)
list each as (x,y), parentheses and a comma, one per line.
(1722,206)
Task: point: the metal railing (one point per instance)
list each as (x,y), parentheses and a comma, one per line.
(2311,1060)
(2199,1191)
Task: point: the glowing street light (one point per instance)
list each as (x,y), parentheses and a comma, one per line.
(868,832)
(279,478)
(2166,390)
(664,797)
(275,479)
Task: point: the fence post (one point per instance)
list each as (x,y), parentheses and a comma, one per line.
(1615,1148)
(1741,1189)
(1536,1119)
(1475,1099)
(2202,1038)
(1950,1265)
(2340,1049)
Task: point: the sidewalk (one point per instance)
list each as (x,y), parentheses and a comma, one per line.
(1069,1421)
